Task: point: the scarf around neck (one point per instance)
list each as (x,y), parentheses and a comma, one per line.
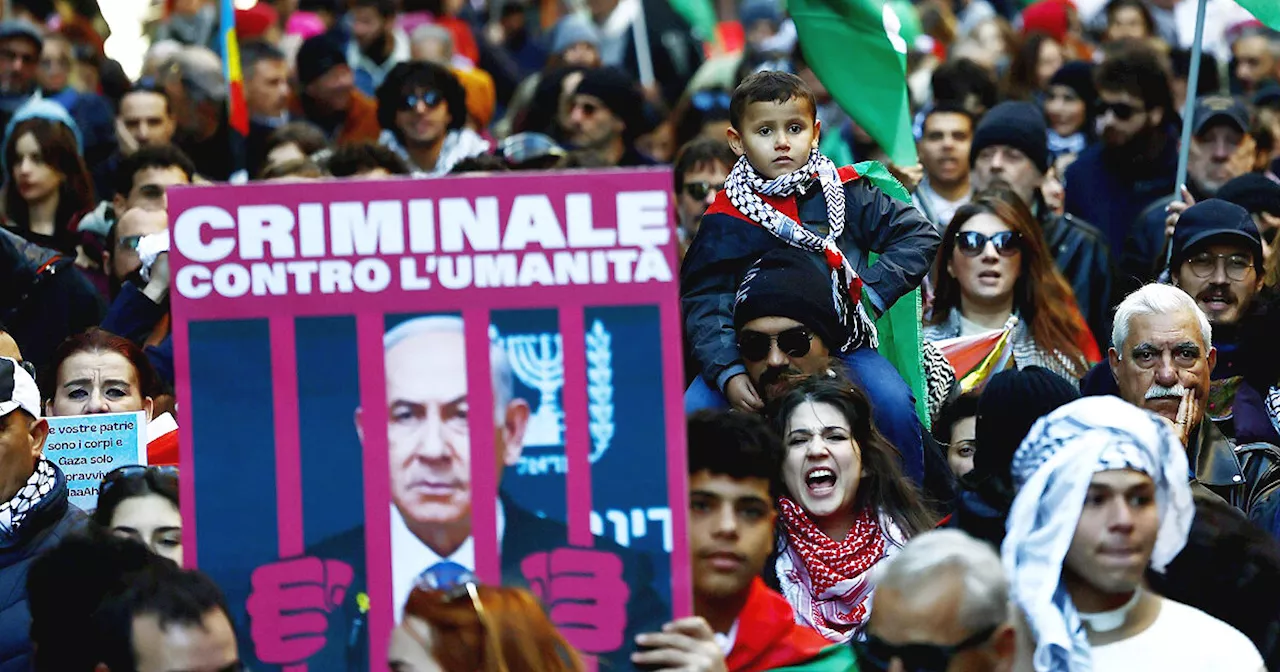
(837,596)
(744,187)
(15,511)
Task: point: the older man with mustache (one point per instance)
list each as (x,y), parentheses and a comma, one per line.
(1162,359)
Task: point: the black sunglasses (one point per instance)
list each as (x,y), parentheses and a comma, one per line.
(1122,111)
(754,346)
(972,243)
(875,654)
(700,190)
(133,471)
(428,98)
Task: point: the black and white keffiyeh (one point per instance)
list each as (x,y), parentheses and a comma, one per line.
(14,511)
(1273,407)
(743,188)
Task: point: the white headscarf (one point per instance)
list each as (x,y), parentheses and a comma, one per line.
(1052,470)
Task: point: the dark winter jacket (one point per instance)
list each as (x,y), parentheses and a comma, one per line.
(1110,197)
(728,244)
(52,519)
(43,298)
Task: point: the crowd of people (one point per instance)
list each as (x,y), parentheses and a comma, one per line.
(1087,477)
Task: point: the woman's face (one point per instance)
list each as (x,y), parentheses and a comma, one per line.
(1048,61)
(961,448)
(1064,109)
(410,648)
(153,520)
(823,463)
(97,382)
(35,179)
(987,278)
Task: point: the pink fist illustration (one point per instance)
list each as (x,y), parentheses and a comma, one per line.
(289,606)
(584,593)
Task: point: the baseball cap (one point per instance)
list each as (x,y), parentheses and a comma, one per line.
(17,389)
(1219,108)
(1215,218)
(18,28)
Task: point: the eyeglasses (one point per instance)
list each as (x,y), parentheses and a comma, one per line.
(428,98)
(1122,111)
(133,471)
(972,243)
(875,654)
(699,191)
(754,346)
(1236,266)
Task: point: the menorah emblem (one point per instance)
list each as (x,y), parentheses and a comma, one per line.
(538,361)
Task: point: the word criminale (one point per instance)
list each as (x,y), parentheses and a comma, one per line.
(420,244)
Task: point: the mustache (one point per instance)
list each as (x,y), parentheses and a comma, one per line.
(1217,292)
(774,374)
(1158,391)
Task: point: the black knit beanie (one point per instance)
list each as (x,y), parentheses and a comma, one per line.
(619,93)
(792,283)
(1017,124)
(1077,76)
(318,56)
(1011,402)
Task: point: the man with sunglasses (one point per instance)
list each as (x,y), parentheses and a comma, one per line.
(606,115)
(700,169)
(423,113)
(942,605)
(1135,160)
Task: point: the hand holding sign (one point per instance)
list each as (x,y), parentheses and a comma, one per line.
(585,594)
(289,606)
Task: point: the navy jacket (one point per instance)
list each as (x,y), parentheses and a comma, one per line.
(134,316)
(1111,196)
(728,243)
(46,525)
(43,298)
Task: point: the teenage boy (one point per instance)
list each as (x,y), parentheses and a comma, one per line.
(741,625)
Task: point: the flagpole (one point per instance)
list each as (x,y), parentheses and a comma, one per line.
(1188,106)
(644,57)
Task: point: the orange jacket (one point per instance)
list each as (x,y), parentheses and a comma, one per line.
(361,124)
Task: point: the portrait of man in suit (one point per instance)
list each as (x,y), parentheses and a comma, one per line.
(598,597)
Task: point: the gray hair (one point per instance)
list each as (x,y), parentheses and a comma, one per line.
(1271,36)
(500,366)
(1157,299)
(433,31)
(938,554)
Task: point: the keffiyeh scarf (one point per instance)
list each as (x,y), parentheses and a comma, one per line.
(744,187)
(459,144)
(827,581)
(1273,407)
(1052,470)
(15,511)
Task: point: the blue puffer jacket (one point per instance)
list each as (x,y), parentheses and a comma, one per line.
(51,520)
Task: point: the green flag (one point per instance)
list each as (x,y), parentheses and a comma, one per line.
(899,327)
(700,15)
(1266,11)
(856,49)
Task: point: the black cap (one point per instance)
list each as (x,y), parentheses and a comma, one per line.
(1211,109)
(1254,192)
(318,56)
(792,283)
(1016,124)
(1214,219)
(619,94)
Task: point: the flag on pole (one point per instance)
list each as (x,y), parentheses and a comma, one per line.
(700,16)
(1266,11)
(237,109)
(977,358)
(857,51)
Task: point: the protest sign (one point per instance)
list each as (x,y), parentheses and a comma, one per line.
(332,340)
(88,447)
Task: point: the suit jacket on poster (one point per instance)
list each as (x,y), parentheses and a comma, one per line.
(347,641)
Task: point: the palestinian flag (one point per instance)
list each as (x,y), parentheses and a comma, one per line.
(1266,11)
(977,358)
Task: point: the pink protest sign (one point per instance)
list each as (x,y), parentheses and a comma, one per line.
(397,383)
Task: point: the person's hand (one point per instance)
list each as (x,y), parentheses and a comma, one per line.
(686,645)
(909,176)
(495,34)
(742,394)
(290,605)
(124,139)
(585,595)
(1175,210)
(157,288)
(1188,415)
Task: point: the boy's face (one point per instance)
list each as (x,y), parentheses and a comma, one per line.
(776,137)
